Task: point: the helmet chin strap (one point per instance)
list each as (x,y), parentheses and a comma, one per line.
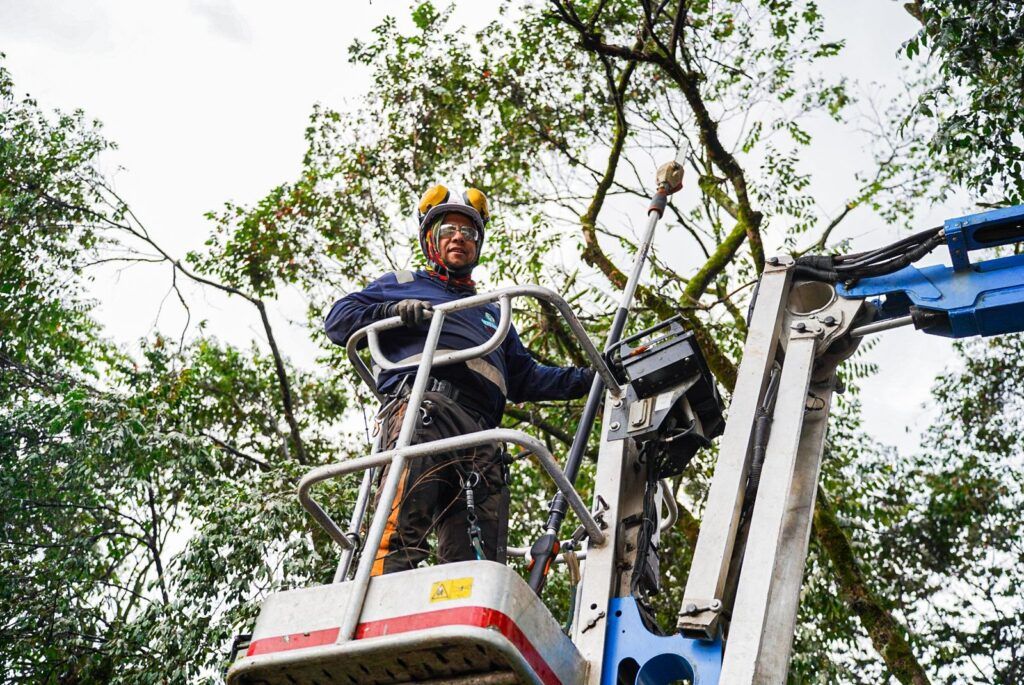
(458,272)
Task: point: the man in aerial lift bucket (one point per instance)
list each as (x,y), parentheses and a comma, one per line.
(461,398)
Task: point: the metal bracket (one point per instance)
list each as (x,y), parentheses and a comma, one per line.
(964,234)
(816,310)
(640,414)
(778,263)
(644,657)
(713,606)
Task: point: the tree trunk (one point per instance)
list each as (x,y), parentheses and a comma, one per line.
(885,631)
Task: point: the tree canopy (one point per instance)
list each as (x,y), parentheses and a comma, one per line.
(148,490)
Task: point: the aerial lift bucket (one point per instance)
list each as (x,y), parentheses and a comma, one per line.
(468,622)
(478,621)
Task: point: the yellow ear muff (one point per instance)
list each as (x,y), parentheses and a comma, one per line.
(478,201)
(433,198)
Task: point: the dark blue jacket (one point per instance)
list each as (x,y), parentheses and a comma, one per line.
(507,373)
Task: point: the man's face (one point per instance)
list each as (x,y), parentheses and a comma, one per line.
(457,250)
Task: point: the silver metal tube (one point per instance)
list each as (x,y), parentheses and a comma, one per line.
(640,259)
(581,334)
(754,591)
(481,350)
(868,329)
(652,220)
(360,367)
(709,570)
(524,552)
(504,297)
(356,522)
(453,357)
(322,517)
(787,578)
(670,502)
(387,496)
(457,443)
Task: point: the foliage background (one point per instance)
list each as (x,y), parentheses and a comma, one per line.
(147,493)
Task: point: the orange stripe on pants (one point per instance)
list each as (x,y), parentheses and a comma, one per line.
(390,528)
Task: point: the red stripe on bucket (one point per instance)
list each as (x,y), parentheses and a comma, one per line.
(480,617)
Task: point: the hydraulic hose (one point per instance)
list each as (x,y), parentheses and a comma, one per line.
(880,262)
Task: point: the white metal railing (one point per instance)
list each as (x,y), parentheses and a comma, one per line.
(504,298)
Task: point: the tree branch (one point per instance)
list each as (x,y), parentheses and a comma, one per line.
(689,84)
(284,384)
(552,322)
(725,298)
(235,451)
(592,252)
(884,630)
(709,186)
(719,259)
(154,543)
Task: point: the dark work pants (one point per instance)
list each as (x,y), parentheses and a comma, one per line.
(430,495)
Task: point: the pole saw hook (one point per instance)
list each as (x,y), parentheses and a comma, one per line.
(670,174)
(670,180)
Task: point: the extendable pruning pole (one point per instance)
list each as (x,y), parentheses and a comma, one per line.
(546,548)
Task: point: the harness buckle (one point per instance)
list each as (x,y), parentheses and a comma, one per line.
(437,385)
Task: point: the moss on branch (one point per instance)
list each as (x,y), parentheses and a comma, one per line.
(719,259)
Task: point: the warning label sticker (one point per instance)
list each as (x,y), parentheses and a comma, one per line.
(453,588)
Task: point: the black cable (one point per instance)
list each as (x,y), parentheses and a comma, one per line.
(882,257)
(648,522)
(809,273)
(762,430)
(875,256)
(753,301)
(892,265)
(913,239)
(880,262)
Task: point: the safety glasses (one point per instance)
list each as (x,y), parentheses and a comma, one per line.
(449,231)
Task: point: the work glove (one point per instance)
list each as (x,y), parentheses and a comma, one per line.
(412,312)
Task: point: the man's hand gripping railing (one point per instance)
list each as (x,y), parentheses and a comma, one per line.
(504,298)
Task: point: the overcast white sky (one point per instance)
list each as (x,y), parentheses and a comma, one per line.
(208,100)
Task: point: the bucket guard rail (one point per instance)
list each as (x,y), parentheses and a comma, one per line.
(460,442)
(504,297)
(404,449)
(370,334)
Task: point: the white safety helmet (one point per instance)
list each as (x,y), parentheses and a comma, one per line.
(438,201)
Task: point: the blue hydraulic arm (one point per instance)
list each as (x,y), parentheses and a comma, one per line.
(984,298)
